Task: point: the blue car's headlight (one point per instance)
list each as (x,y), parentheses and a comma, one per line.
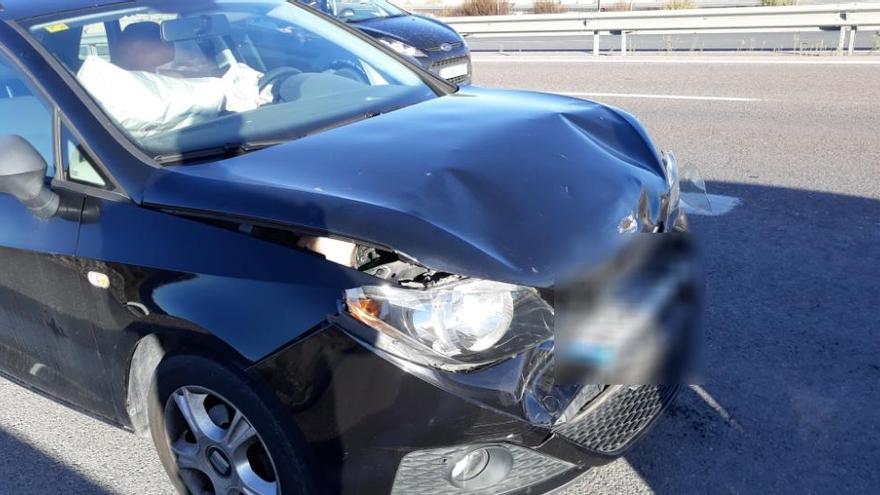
(687,190)
(670,164)
(454,326)
(402,48)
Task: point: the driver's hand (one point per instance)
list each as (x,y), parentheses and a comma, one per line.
(241,87)
(267,95)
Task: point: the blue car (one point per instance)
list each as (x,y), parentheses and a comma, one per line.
(303,265)
(433,44)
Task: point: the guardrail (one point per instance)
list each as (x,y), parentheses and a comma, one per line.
(846,18)
(527,6)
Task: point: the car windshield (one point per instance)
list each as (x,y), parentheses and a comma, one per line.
(192,80)
(357,10)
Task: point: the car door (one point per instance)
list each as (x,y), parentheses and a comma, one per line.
(46,332)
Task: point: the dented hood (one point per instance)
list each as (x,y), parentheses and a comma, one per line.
(512,186)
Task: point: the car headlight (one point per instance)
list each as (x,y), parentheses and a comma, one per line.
(402,48)
(687,190)
(673,201)
(672,179)
(454,326)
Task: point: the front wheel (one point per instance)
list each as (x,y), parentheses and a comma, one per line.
(215,434)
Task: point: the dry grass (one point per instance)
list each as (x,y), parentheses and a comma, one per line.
(679,4)
(482,7)
(618,6)
(547,7)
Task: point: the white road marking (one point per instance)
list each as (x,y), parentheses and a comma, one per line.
(657,96)
(660,59)
(718,408)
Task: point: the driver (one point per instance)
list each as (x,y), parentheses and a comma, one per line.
(145,103)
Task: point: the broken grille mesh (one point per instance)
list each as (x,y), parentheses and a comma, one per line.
(616,421)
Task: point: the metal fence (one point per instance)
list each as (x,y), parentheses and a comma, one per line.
(438,7)
(847,19)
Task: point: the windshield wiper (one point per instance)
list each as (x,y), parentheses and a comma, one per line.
(227,150)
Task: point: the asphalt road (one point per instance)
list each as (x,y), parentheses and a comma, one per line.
(809,42)
(791,377)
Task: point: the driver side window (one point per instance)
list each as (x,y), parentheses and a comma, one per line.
(23,113)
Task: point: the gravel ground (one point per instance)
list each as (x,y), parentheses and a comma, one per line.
(791,375)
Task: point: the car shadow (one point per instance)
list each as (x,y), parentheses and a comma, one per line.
(24,469)
(791,362)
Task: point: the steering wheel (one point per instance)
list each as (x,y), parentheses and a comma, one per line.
(276,78)
(349,69)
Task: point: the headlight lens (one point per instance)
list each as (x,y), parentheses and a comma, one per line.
(465,318)
(687,190)
(462,324)
(402,48)
(672,179)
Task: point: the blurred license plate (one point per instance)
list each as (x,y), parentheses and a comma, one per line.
(454,71)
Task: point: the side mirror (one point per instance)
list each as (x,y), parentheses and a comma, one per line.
(22,174)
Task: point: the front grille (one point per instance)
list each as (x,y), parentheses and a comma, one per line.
(613,422)
(458,80)
(439,48)
(448,62)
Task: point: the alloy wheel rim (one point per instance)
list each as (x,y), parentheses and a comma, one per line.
(217,449)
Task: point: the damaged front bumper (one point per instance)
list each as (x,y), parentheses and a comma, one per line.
(611,425)
(374,422)
(372,427)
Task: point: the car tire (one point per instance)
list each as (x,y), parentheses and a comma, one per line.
(263,452)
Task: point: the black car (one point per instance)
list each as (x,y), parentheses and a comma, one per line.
(433,44)
(257,235)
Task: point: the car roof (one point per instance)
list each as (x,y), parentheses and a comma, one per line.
(24,9)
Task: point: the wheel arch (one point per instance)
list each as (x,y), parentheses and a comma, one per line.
(149,352)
